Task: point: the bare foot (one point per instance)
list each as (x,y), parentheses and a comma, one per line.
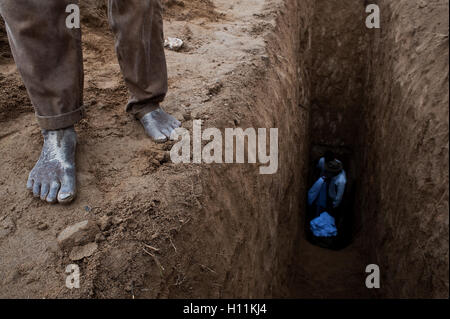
(53,178)
(159,125)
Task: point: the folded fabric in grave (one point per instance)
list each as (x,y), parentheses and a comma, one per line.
(323,226)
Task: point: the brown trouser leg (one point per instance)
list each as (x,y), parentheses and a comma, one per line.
(49,57)
(138,27)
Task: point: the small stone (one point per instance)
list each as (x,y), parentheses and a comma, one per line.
(117,220)
(78,234)
(174,44)
(80,252)
(42,226)
(215,88)
(159,156)
(422,4)
(155,162)
(99,238)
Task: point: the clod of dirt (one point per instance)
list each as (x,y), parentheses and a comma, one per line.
(105,222)
(42,226)
(79,234)
(422,4)
(215,88)
(80,252)
(99,238)
(187,116)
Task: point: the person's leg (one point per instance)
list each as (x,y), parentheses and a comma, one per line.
(48,57)
(138,28)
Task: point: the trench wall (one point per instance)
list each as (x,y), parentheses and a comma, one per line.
(253,220)
(383,94)
(404,163)
(337,71)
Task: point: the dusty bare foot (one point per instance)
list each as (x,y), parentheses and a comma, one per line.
(54,176)
(159,125)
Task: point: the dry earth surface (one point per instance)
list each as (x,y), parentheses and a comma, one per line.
(309,68)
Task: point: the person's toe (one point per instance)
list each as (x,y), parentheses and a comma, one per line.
(67,192)
(156,135)
(53,193)
(160,139)
(173,134)
(176,124)
(36,189)
(45,188)
(30,183)
(166,132)
(65,198)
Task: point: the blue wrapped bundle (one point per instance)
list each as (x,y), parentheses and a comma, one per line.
(323,226)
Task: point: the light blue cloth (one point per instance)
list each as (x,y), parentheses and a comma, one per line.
(319,189)
(323,226)
(337,184)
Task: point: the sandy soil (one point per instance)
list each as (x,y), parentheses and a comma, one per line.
(223,230)
(124,175)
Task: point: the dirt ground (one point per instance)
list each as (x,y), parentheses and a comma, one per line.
(125,176)
(217,231)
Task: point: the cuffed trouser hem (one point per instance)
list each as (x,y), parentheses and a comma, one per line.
(139,109)
(138,114)
(60,121)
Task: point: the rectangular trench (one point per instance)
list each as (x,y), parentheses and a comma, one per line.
(336,83)
(324,83)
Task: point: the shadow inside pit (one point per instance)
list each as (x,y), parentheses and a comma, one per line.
(344,214)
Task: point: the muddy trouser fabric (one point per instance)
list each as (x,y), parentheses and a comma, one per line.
(49,55)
